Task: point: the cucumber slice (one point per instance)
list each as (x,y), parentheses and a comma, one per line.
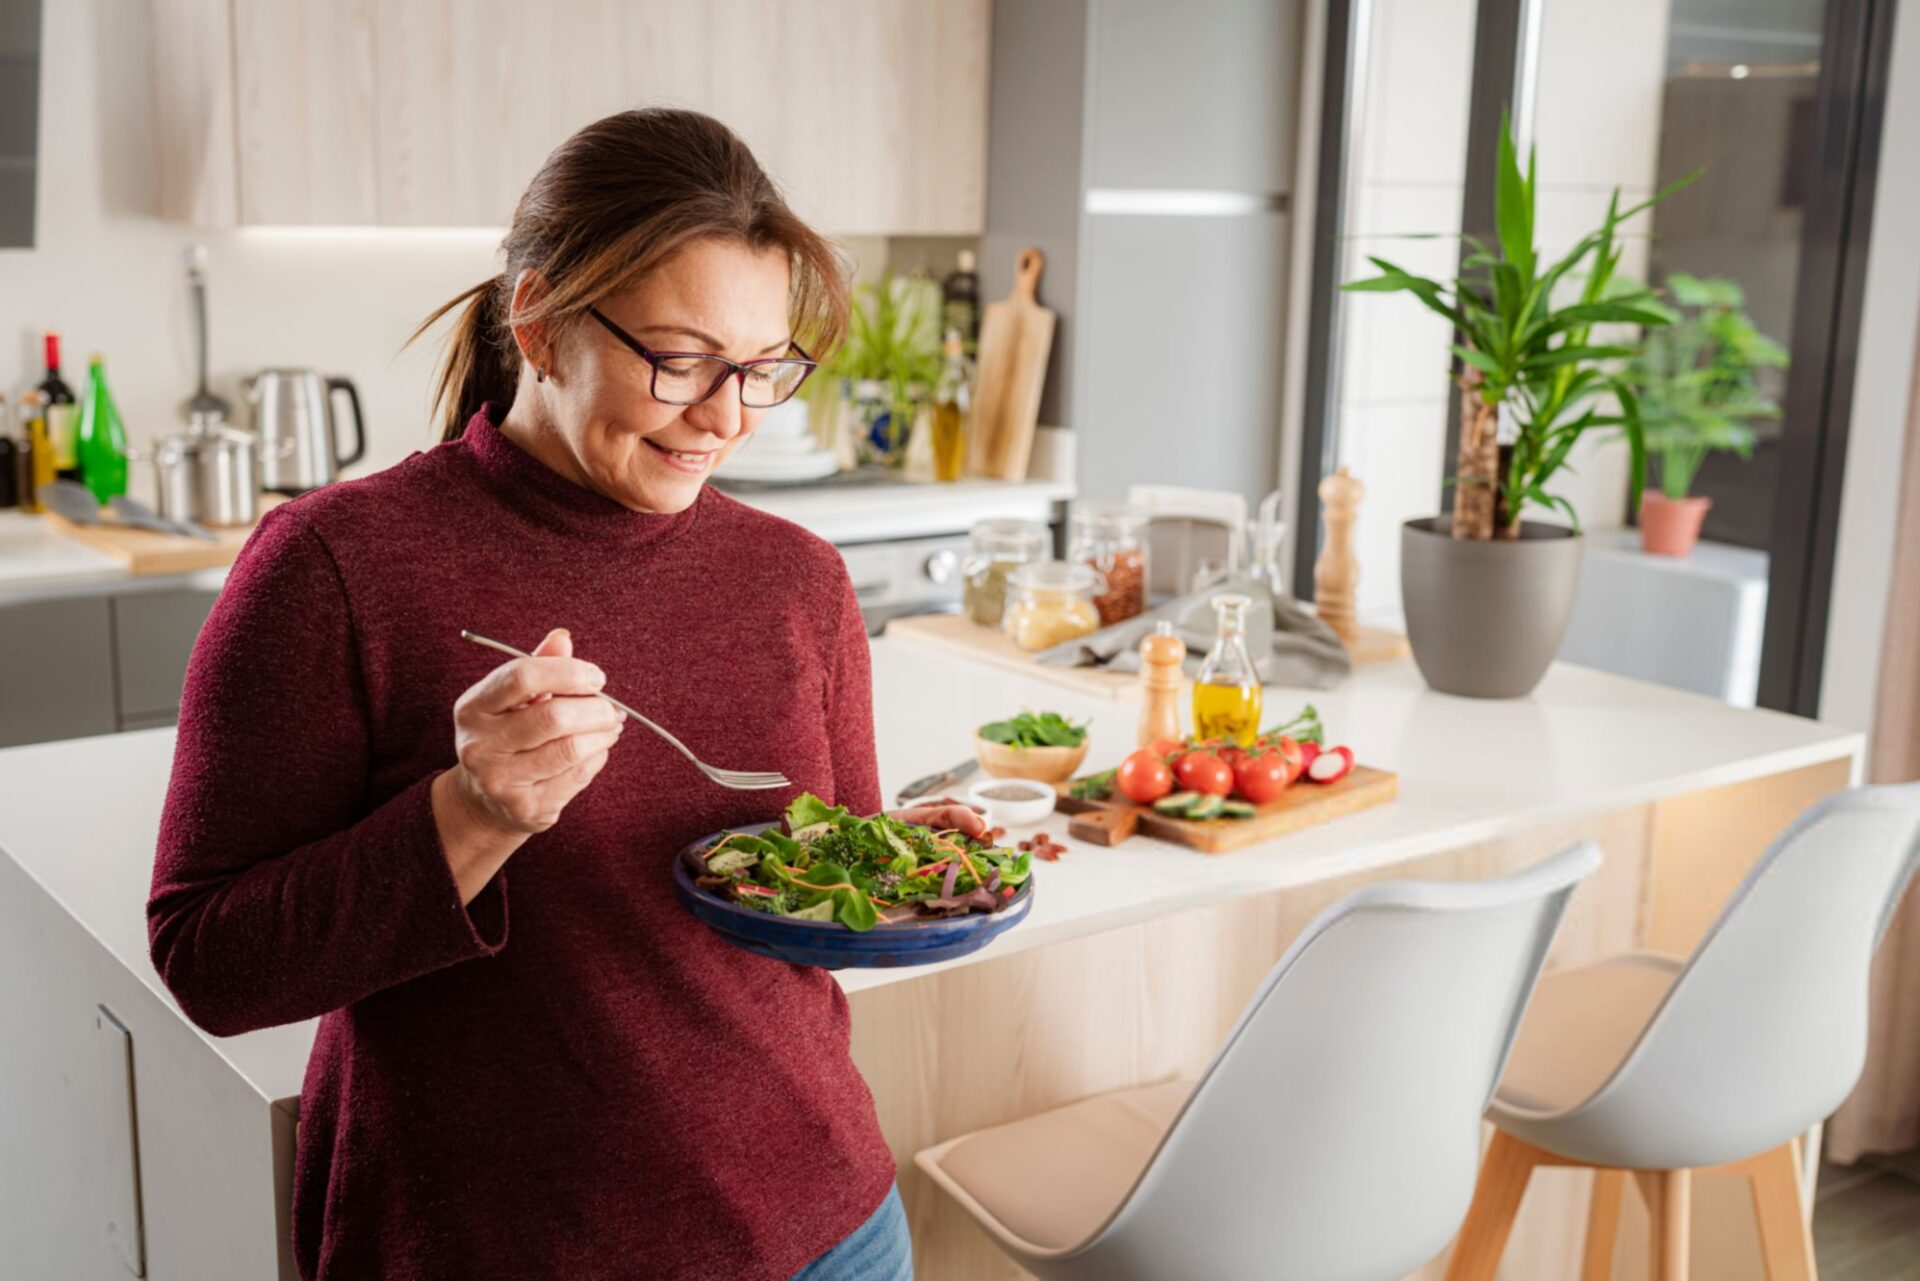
(1176,805)
(1236,809)
(1206,807)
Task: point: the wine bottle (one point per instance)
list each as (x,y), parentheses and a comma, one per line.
(11,456)
(103,438)
(63,414)
(960,302)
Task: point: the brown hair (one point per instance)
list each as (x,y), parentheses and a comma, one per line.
(611,204)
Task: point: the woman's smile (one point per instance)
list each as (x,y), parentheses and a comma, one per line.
(694,462)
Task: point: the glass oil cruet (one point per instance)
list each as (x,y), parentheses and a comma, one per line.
(1226,694)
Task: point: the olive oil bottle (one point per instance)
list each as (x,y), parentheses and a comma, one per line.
(1226,694)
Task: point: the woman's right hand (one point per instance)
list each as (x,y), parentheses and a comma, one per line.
(529,736)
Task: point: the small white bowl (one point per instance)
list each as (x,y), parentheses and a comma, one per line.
(1005,811)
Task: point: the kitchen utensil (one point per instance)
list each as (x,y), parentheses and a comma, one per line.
(1047,764)
(203,404)
(928,784)
(299,436)
(1016,338)
(740,780)
(209,473)
(72,501)
(831,945)
(132,511)
(1301,806)
(1033,805)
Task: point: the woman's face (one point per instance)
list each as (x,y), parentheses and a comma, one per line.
(605,429)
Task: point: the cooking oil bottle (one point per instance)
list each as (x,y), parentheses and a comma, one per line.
(1226,694)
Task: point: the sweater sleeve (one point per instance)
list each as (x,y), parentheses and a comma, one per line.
(281,888)
(856,771)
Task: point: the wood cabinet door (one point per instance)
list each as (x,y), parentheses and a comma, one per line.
(304,111)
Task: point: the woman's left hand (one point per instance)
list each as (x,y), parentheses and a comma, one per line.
(944,814)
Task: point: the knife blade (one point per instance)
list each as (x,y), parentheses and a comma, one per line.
(934,782)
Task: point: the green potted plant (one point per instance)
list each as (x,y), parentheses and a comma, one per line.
(1487,596)
(1697,381)
(888,364)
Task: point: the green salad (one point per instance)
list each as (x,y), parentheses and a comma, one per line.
(831,866)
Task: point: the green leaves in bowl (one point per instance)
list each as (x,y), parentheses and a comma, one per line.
(1035,729)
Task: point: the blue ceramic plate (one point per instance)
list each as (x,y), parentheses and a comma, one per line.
(831,945)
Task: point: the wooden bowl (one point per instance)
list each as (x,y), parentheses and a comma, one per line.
(1046,764)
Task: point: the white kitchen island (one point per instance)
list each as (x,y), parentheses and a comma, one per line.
(1130,968)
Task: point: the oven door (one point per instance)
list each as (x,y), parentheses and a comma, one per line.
(908,576)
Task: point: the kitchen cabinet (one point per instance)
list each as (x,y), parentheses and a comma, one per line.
(153,635)
(871,114)
(59,678)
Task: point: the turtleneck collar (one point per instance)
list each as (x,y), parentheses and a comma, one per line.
(549,499)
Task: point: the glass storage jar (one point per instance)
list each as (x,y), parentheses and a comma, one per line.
(1110,539)
(994,549)
(1052,601)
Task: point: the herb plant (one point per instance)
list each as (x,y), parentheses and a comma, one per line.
(1697,380)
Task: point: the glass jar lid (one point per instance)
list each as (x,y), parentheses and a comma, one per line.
(1064,576)
(1108,520)
(1010,539)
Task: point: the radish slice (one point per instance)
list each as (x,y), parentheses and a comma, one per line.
(1331,765)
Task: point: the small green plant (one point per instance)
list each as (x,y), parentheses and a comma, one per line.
(893,337)
(1697,380)
(1521,351)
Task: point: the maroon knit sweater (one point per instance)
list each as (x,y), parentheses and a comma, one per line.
(593,1084)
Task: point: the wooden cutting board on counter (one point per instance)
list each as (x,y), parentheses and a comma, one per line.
(1016,340)
(145,552)
(1301,806)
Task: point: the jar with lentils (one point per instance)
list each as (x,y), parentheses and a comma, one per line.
(1110,538)
(994,549)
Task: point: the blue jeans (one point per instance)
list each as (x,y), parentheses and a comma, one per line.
(877,1250)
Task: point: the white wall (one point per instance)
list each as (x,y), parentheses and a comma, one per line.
(1883,381)
(109,276)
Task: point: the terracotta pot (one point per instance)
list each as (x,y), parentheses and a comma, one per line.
(1671,526)
(1486,618)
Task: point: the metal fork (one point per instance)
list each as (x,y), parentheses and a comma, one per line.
(740,780)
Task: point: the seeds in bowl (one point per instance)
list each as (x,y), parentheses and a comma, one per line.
(1013,791)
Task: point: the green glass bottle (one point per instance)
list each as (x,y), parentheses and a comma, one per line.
(103,438)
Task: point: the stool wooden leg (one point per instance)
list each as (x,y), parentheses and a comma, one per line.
(1786,1238)
(1603,1224)
(1496,1201)
(1670,1196)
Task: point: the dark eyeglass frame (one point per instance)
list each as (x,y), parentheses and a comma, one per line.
(730,368)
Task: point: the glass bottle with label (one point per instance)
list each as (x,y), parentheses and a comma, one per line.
(37,463)
(1226,693)
(952,400)
(63,414)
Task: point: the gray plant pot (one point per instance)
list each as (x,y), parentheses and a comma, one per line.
(1485,619)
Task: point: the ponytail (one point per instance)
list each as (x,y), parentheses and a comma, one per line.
(474,369)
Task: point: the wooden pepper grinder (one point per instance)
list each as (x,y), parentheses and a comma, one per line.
(1336,572)
(1161,654)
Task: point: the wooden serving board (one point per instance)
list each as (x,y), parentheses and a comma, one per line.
(1301,806)
(146,552)
(1016,340)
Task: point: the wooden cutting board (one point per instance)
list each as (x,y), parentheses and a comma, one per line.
(1301,806)
(1016,339)
(145,552)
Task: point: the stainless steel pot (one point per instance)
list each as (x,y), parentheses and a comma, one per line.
(210,474)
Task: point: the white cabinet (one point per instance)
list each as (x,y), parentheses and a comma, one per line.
(871,114)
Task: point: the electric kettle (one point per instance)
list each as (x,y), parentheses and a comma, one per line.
(299,437)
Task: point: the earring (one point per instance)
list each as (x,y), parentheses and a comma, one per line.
(539,373)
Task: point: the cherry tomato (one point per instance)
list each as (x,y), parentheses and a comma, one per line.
(1165,747)
(1290,752)
(1143,777)
(1262,776)
(1205,772)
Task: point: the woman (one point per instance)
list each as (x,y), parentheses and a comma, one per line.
(531,1062)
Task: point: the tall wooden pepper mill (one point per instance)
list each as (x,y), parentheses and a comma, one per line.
(1161,654)
(1336,572)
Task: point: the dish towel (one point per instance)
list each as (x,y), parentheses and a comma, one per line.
(1304,651)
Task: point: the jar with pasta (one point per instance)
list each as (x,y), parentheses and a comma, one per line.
(1110,539)
(995,549)
(1052,602)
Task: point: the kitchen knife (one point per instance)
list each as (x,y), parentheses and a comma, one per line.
(935,782)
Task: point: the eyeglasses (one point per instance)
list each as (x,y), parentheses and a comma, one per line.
(689,377)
